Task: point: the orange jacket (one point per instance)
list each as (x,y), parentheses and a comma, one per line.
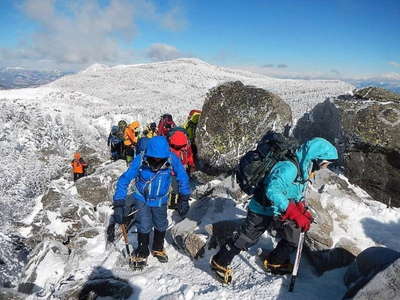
(130,134)
(78,164)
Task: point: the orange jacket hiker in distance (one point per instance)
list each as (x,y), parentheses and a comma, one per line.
(131,134)
(78,166)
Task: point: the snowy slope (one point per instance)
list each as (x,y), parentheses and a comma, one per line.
(44,126)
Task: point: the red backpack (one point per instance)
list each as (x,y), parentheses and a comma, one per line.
(165,124)
(180,146)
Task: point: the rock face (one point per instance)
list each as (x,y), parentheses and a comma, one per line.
(234,118)
(377,94)
(49,257)
(385,285)
(366,130)
(13,255)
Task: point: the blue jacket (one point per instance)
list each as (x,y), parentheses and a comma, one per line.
(151,187)
(282,184)
(142,144)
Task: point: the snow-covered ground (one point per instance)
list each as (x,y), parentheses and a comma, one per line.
(42,127)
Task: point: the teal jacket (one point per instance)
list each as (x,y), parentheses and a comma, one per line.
(282,184)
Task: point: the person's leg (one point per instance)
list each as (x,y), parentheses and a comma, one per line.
(249,233)
(289,234)
(160,226)
(254,226)
(144,225)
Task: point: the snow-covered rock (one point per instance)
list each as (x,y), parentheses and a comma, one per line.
(234,118)
(366,130)
(45,268)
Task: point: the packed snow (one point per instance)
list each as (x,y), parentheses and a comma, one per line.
(42,127)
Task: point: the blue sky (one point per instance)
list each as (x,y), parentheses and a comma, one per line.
(326,38)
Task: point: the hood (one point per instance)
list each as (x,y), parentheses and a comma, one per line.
(134,125)
(316,148)
(157,147)
(178,138)
(77,155)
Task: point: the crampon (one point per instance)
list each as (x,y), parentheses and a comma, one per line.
(222,274)
(278,269)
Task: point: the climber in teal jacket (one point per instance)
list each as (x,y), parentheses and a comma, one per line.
(284,189)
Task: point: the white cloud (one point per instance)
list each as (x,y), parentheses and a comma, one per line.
(161,52)
(83,32)
(393,63)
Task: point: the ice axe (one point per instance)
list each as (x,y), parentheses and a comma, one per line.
(125,236)
(296,262)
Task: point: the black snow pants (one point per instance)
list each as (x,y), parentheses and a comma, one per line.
(249,233)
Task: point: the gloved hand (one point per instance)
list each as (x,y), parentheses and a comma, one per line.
(183,205)
(305,211)
(298,214)
(118,212)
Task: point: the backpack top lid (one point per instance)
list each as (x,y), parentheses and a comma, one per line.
(255,165)
(153,126)
(194,111)
(114,130)
(178,138)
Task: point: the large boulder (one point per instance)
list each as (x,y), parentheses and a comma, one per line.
(234,119)
(365,128)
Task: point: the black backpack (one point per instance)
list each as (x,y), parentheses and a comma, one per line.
(255,165)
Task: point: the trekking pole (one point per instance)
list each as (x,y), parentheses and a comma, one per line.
(125,235)
(297,262)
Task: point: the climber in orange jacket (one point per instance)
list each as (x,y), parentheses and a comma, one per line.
(78,166)
(131,136)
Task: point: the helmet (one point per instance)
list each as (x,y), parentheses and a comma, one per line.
(122,124)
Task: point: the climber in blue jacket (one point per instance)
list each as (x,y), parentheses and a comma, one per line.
(151,172)
(284,187)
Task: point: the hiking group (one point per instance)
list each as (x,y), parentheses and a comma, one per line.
(160,162)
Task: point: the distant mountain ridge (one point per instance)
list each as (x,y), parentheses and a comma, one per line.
(14,78)
(391,85)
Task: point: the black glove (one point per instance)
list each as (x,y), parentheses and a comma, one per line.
(118,212)
(183,205)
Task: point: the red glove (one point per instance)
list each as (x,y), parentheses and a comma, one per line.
(298,214)
(305,211)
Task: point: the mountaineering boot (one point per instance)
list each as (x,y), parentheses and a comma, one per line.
(158,246)
(220,262)
(222,274)
(139,259)
(278,269)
